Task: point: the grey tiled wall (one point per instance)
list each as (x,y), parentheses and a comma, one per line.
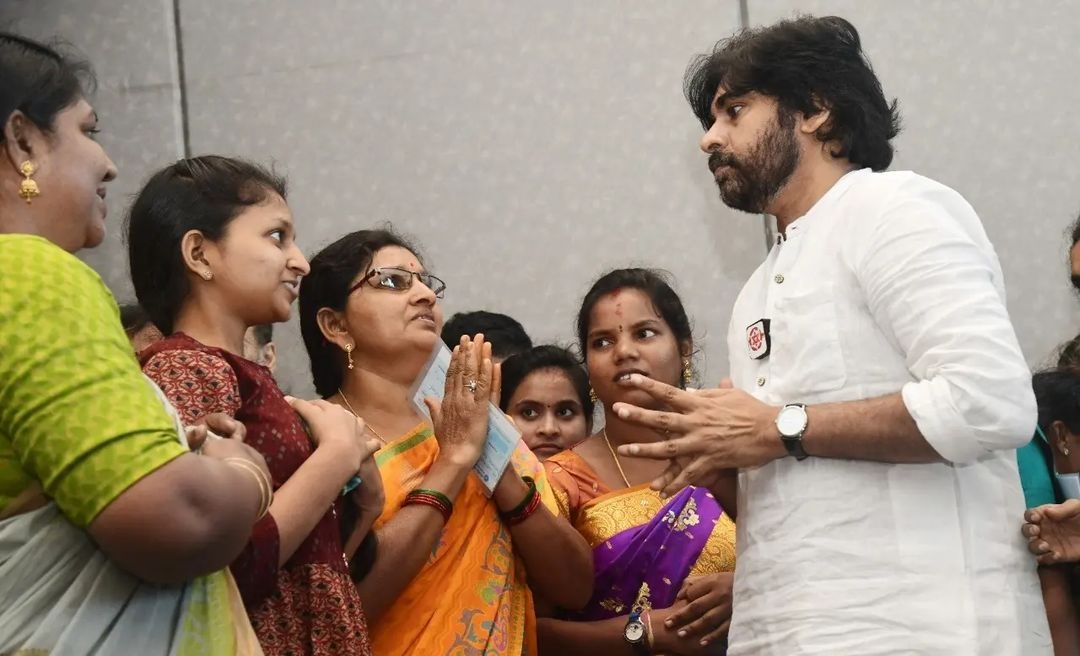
(528,147)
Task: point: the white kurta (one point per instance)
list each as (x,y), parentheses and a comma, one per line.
(888,284)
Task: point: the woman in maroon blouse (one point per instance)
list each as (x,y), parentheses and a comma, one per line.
(212,253)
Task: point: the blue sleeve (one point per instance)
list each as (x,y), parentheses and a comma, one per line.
(1035,475)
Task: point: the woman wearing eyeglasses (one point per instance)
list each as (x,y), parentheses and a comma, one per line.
(212,253)
(452,567)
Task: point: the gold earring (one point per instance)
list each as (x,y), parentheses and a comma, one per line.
(348,354)
(687,374)
(592,396)
(1065,450)
(28,188)
(209,275)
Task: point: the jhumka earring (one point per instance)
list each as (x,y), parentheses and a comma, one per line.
(28,188)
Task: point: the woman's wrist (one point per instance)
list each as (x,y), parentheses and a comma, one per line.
(331,462)
(460,457)
(510,489)
(446,476)
(663,639)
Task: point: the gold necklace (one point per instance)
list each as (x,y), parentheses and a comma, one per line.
(615,457)
(366,425)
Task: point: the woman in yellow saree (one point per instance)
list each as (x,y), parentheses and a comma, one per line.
(452,568)
(90,459)
(662,567)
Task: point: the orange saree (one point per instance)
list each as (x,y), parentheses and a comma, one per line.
(472,596)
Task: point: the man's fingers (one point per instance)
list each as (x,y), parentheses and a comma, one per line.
(676,485)
(1030,530)
(666,450)
(663,481)
(664,422)
(672,396)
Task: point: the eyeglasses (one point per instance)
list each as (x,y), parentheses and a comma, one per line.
(400,280)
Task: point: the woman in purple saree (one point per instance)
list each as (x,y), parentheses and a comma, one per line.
(665,564)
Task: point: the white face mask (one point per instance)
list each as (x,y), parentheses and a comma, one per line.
(1069,484)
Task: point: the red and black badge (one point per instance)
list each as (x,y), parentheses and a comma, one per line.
(758,340)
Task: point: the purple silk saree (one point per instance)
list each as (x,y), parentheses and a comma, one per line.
(660,548)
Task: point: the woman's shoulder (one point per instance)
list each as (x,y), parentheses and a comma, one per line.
(196,378)
(576,460)
(180,351)
(568,460)
(571,471)
(38,269)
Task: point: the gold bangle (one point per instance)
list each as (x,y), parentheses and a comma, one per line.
(263,505)
(649,632)
(266,490)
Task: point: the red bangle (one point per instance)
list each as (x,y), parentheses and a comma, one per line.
(526,509)
(431,498)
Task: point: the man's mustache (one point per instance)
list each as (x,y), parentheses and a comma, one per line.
(718,159)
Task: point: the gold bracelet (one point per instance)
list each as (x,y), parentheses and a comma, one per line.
(243,465)
(648,632)
(266,490)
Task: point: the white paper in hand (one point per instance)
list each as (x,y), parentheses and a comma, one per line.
(502,437)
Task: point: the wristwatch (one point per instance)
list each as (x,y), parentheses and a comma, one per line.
(634,634)
(791,422)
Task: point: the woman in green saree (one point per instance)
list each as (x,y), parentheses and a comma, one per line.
(91,462)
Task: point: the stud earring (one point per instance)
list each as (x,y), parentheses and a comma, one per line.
(208,275)
(28,188)
(1065,450)
(348,354)
(592,396)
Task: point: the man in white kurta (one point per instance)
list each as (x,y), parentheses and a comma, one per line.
(879,392)
(887,284)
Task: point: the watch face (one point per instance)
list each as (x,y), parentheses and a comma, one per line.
(791,421)
(634,631)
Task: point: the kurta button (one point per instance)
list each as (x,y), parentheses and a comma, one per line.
(779,278)
(761,382)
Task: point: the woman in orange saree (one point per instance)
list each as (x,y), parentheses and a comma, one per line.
(452,567)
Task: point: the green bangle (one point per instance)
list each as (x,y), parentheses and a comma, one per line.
(516,510)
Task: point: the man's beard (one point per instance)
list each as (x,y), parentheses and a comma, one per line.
(753,182)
